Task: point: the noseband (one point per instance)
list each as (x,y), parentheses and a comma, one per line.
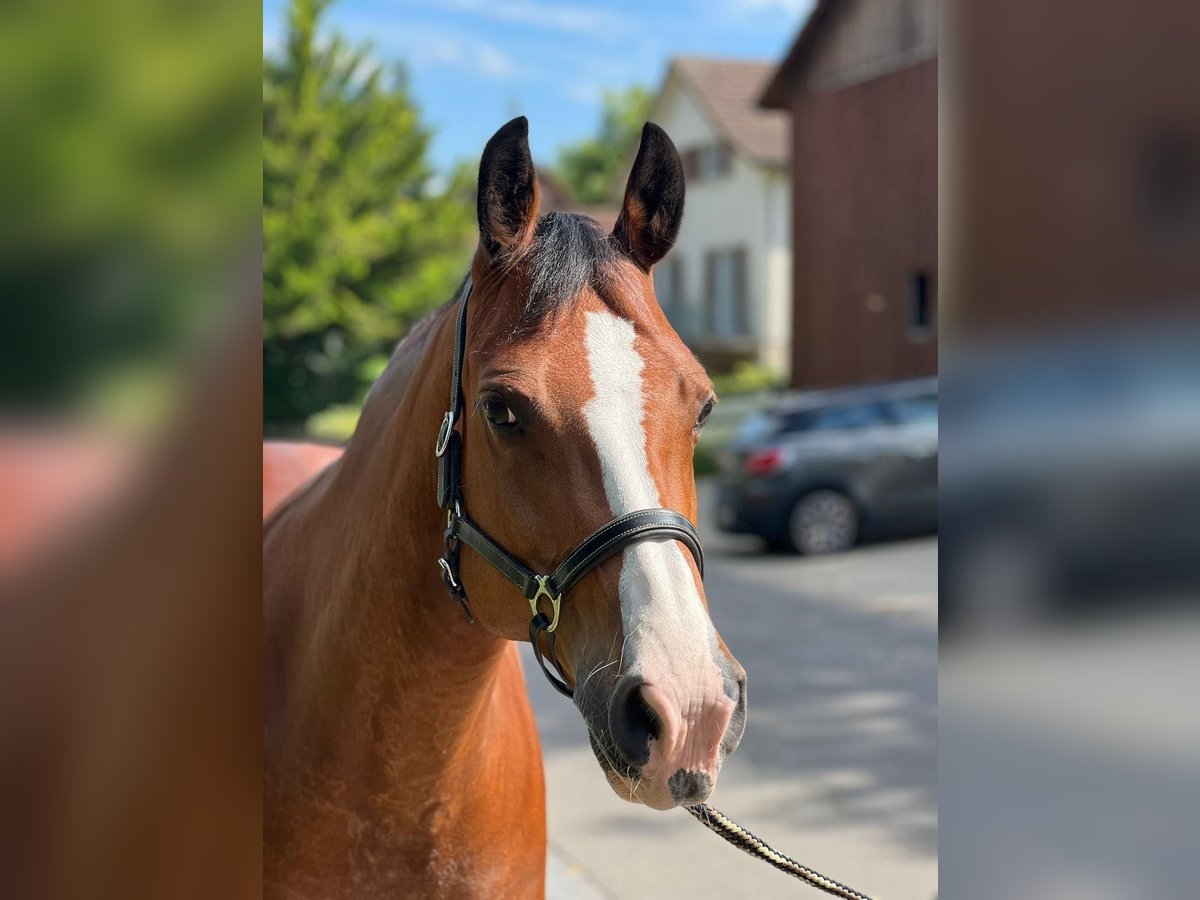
(643,525)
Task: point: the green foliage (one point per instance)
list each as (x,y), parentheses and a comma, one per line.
(334,423)
(590,168)
(748,378)
(357,242)
(129,170)
(704,461)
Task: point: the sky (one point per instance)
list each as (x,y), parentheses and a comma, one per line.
(474,64)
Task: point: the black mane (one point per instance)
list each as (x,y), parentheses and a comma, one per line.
(569,252)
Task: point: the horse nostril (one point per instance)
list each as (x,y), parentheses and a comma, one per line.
(690,787)
(634,724)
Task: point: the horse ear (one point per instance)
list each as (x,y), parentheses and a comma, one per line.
(653,208)
(508,190)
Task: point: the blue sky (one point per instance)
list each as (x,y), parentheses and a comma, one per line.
(474,64)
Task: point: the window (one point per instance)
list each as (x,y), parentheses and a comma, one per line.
(778,213)
(920,307)
(707,161)
(842,418)
(835,418)
(725,312)
(715,161)
(669,287)
(1170,185)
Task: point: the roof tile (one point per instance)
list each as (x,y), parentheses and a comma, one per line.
(729,89)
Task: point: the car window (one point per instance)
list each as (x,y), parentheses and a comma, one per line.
(836,418)
(756,427)
(919,410)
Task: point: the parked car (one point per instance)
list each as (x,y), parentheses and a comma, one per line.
(816,471)
(1070,484)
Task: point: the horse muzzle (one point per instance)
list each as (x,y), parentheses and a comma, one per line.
(663,744)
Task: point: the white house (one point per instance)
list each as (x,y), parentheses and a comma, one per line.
(726,286)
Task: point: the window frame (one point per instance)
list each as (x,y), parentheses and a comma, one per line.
(743,327)
(921,295)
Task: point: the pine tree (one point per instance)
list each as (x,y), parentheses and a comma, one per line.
(357,243)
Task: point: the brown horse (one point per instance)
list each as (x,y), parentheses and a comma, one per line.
(400,753)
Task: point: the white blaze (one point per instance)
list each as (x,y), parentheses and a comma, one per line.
(669,635)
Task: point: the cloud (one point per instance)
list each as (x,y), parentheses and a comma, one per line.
(480,57)
(589,21)
(753,7)
(588,93)
(495,63)
(426,47)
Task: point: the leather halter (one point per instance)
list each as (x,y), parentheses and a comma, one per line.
(645,524)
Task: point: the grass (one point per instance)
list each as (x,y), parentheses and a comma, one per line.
(334,424)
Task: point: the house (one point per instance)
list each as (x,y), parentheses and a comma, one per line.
(860,83)
(726,284)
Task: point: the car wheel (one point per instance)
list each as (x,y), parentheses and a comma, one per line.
(823,521)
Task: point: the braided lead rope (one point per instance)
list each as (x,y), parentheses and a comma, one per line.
(718,822)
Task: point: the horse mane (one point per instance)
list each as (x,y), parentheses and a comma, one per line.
(569,252)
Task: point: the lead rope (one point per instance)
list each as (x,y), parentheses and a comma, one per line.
(716,821)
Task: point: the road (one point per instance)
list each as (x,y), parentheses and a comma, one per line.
(838,764)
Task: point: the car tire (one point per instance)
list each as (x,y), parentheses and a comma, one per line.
(823,521)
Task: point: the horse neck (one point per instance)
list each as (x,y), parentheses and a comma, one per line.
(371,634)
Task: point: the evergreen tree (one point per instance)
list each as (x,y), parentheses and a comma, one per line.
(357,242)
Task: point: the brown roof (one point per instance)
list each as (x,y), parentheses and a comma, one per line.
(776,89)
(729,90)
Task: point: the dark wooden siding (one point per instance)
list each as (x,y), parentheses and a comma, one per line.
(865,220)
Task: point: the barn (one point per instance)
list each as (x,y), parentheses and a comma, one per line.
(861,83)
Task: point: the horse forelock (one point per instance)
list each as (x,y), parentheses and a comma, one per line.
(569,254)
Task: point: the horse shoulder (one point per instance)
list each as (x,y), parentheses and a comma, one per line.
(511,808)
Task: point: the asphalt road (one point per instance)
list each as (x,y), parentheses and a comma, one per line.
(838,764)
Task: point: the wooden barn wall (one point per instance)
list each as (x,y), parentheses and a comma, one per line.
(865,219)
(867,38)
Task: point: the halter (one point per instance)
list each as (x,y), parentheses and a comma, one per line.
(622,531)
(645,524)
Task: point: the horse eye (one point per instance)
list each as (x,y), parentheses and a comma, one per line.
(497,413)
(705,412)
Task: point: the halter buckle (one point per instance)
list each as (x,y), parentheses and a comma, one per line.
(443,438)
(543,590)
(454,511)
(448,574)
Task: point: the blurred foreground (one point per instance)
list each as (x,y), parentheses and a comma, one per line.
(1069,752)
(130,326)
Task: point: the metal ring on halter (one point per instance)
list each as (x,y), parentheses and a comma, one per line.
(448,574)
(543,590)
(443,438)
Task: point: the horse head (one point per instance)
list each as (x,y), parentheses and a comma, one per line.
(582,404)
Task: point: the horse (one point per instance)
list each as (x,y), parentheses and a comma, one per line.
(399,748)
